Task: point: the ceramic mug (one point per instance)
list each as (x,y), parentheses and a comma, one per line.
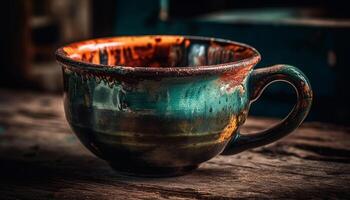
(161,105)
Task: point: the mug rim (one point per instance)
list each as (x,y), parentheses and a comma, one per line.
(63,58)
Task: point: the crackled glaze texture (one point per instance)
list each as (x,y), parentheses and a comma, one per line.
(159,105)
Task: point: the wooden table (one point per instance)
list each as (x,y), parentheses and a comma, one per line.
(40,158)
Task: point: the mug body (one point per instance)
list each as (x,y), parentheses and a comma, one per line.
(156,105)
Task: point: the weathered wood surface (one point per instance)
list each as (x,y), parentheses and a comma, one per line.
(40,158)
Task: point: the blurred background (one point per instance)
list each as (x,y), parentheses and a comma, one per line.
(312,35)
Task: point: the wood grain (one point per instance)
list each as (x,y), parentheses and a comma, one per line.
(41,159)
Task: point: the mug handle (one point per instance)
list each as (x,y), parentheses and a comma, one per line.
(259,80)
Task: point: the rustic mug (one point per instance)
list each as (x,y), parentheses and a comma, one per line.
(161,105)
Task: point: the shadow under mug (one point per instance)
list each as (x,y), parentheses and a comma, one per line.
(161,105)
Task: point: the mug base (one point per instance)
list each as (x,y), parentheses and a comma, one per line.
(150,172)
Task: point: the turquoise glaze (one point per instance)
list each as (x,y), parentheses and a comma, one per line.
(152,120)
